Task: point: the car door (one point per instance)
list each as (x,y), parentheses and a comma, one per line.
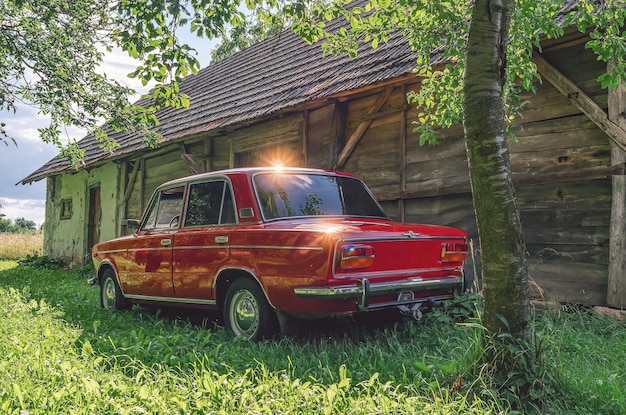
(202,244)
(149,269)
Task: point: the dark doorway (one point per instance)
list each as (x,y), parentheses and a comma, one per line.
(95,217)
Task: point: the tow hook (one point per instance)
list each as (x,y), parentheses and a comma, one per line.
(414,311)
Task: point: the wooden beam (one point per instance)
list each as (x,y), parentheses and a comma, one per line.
(131,181)
(191,162)
(616,286)
(337,132)
(403,137)
(581,100)
(305,137)
(362,128)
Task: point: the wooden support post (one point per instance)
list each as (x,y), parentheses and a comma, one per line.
(337,132)
(191,162)
(403,124)
(362,128)
(208,151)
(305,138)
(231,155)
(616,288)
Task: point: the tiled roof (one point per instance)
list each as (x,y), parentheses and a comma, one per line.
(271,76)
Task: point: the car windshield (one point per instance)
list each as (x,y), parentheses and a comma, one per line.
(285,195)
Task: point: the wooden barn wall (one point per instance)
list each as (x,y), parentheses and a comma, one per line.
(560,162)
(561,169)
(273,142)
(318,130)
(260,143)
(376,157)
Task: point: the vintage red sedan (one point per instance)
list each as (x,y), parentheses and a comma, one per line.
(265,246)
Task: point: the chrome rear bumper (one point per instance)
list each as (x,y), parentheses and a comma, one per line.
(365,289)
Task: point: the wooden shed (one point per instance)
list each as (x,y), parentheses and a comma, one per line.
(279,100)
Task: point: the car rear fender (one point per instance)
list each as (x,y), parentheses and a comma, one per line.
(229,274)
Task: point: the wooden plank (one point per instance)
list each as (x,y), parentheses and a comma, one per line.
(362,128)
(426,189)
(318,142)
(571,282)
(587,194)
(538,218)
(581,100)
(549,103)
(131,181)
(267,134)
(192,163)
(564,176)
(590,254)
(337,131)
(305,137)
(402,147)
(449,147)
(616,287)
(567,235)
(454,210)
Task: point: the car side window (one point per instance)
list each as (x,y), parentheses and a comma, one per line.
(210,203)
(166,210)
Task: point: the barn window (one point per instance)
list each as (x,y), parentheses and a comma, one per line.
(66,208)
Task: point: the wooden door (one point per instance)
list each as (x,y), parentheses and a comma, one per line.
(95,217)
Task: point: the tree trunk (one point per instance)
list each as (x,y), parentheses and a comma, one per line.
(505,276)
(616,287)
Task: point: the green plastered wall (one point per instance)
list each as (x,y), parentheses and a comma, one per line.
(66,235)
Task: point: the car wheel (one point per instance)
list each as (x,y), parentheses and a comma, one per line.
(246,311)
(111,297)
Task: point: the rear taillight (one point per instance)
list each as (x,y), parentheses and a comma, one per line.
(356,256)
(453,252)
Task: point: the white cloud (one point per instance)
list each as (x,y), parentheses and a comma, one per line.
(16,163)
(31,209)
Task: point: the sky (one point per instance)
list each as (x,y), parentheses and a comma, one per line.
(17,162)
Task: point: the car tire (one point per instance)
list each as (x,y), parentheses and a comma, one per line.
(111,297)
(246,311)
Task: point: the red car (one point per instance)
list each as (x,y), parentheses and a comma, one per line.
(265,246)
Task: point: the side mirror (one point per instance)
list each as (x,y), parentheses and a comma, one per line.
(132,224)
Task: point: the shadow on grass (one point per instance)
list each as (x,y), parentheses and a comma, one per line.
(181,339)
(356,327)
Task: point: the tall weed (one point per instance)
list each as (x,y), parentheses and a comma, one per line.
(18,245)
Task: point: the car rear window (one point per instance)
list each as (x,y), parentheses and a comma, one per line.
(284,195)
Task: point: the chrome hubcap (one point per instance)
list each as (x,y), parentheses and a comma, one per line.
(244,314)
(108,294)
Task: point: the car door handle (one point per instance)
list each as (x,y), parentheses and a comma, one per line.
(221,239)
(166,242)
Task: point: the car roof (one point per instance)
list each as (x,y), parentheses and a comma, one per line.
(251,171)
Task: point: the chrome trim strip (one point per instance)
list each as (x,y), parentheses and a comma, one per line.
(177,248)
(307,248)
(358,290)
(112,251)
(169,248)
(403,238)
(399,273)
(171,300)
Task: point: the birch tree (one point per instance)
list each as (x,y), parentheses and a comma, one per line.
(50,52)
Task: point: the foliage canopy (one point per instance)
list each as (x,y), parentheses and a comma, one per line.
(50,51)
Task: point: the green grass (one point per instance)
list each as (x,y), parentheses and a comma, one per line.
(62,354)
